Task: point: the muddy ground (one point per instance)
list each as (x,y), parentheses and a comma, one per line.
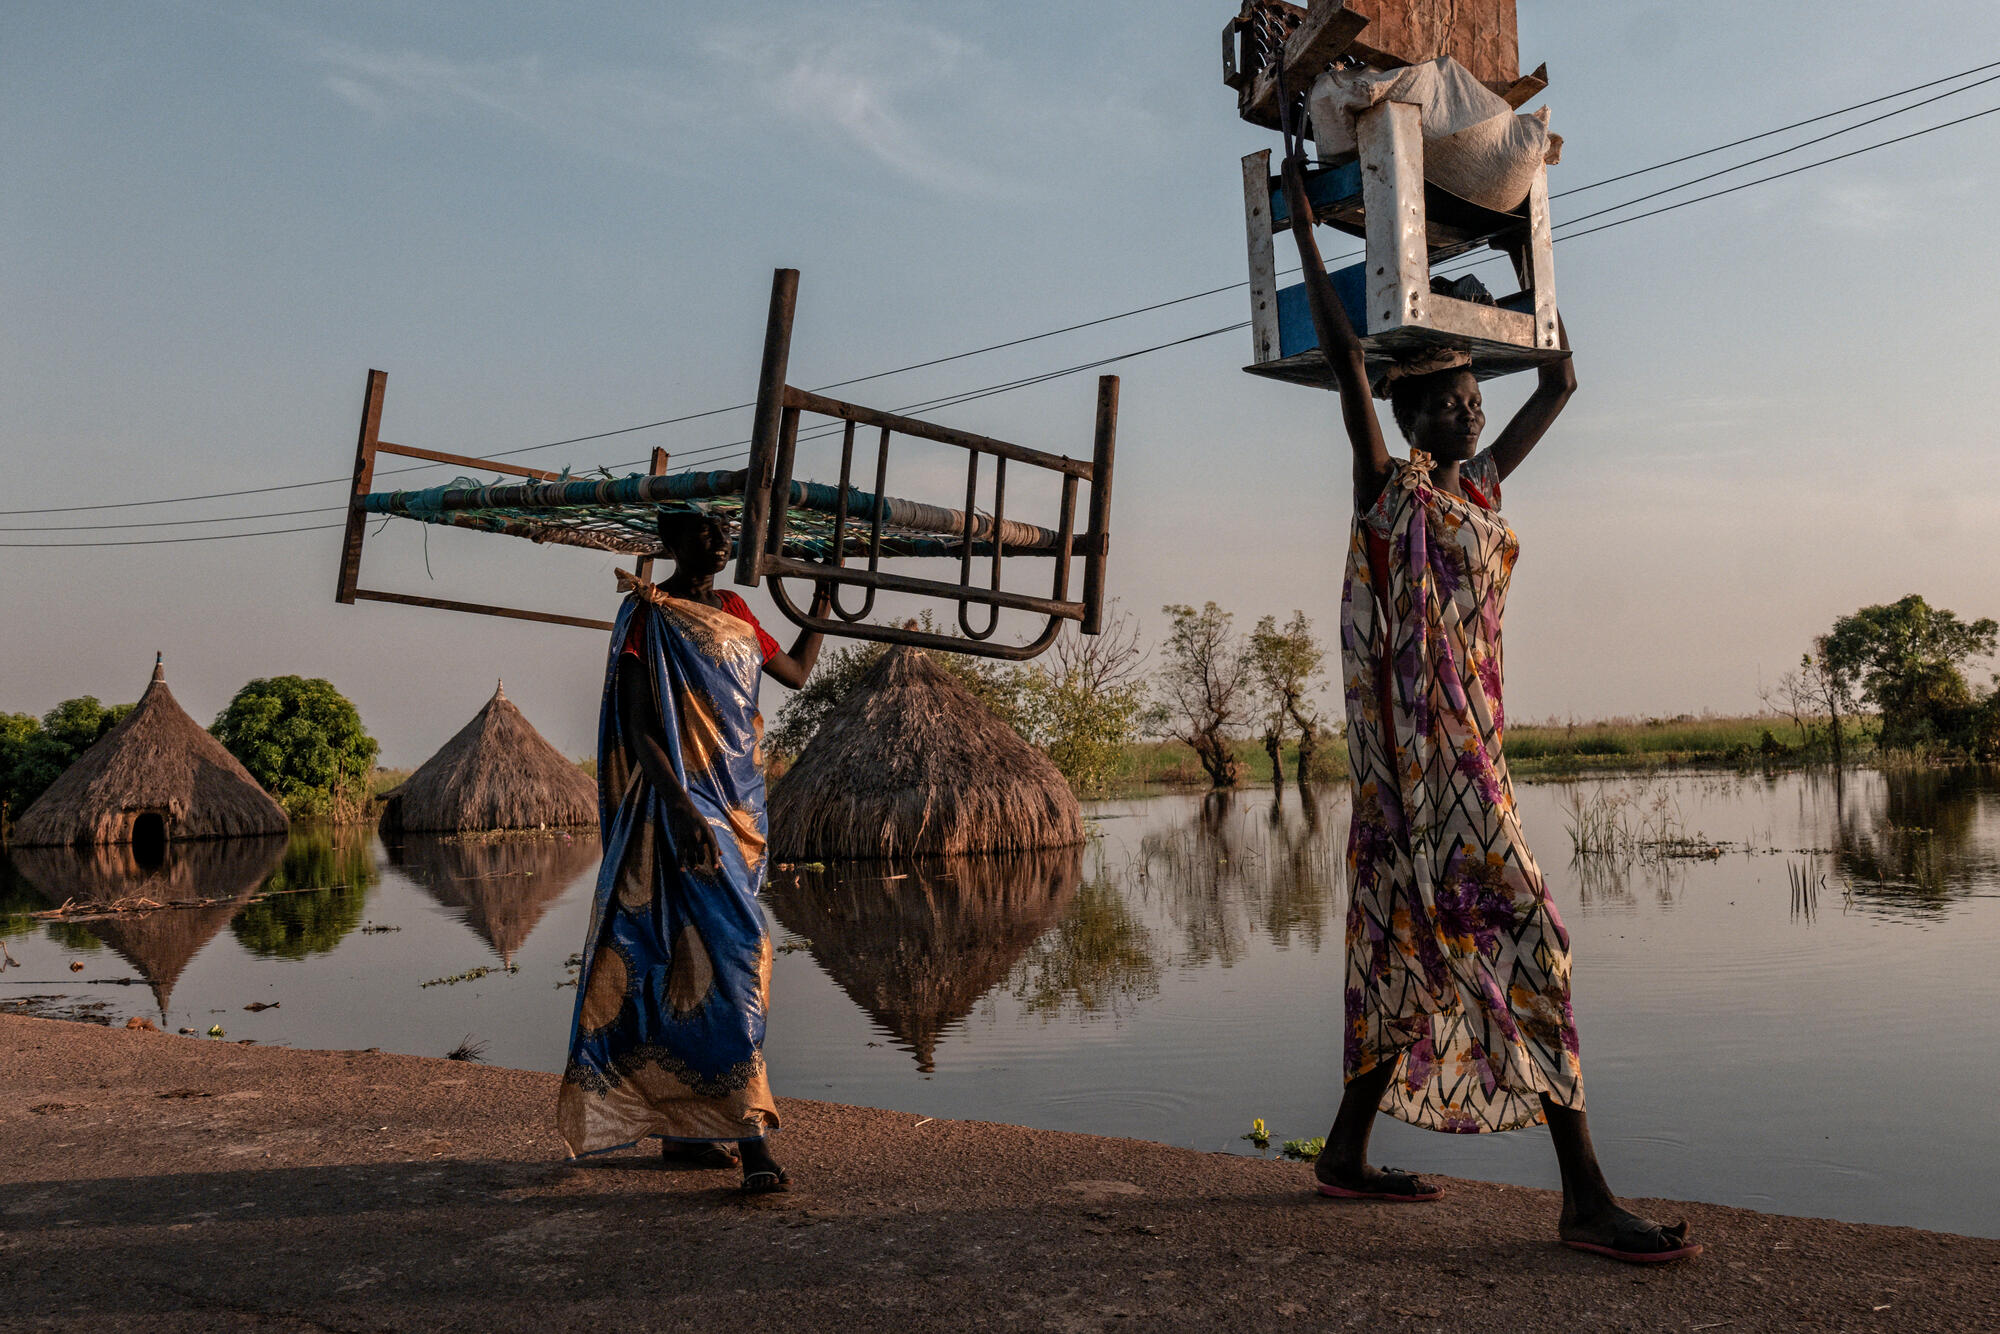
(156,1182)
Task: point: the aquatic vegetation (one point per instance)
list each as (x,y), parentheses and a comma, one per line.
(1258,1135)
(471,975)
(1303,1150)
(468,1049)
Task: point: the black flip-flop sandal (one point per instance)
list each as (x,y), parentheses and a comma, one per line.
(766,1183)
(1418,1192)
(1626,1241)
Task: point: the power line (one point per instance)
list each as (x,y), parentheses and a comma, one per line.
(1085,324)
(1795,125)
(1808,143)
(967,396)
(1780,175)
(162,541)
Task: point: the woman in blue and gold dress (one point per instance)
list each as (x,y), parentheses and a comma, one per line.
(668,1033)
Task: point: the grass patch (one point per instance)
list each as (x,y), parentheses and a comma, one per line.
(1538,750)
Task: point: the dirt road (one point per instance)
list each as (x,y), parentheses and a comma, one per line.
(155,1182)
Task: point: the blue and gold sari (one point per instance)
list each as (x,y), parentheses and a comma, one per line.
(668,1034)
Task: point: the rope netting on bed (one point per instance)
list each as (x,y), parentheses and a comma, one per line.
(618,514)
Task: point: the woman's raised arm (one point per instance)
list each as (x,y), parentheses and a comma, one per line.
(1539,413)
(1342,348)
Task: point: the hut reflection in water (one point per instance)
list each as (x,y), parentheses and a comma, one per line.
(499,885)
(917,943)
(158,944)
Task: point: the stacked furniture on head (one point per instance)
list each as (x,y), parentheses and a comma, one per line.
(1412,106)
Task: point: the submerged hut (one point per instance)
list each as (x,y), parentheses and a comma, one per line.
(156,777)
(911,765)
(501,886)
(160,944)
(917,944)
(497,773)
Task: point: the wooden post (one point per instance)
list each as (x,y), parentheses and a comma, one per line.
(658,468)
(765,431)
(1542,261)
(1100,503)
(1263,259)
(364,480)
(1390,137)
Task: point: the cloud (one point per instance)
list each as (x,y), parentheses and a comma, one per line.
(886,87)
(632,115)
(898,93)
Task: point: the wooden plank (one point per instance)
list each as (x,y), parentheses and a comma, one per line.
(1482,35)
(1390,137)
(364,481)
(1327,31)
(1470,319)
(1104,445)
(923,430)
(1257,224)
(480,609)
(764,433)
(1542,262)
(464,461)
(658,468)
(1524,89)
(903,583)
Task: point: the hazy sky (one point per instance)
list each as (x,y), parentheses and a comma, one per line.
(216,217)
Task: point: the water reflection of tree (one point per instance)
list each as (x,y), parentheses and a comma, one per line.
(1909,839)
(1099,958)
(159,944)
(916,944)
(325,878)
(1239,868)
(500,885)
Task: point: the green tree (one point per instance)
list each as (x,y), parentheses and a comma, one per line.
(1202,688)
(304,742)
(316,897)
(34,752)
(1287,666)
(1907,658)
(1083,704)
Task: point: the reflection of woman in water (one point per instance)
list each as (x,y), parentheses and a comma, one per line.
(1458,997)
(668,1034)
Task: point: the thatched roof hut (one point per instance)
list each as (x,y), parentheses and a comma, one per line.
(497,773)
(916,944)
(500,887)
(911,765)
(155,777)
(159,944)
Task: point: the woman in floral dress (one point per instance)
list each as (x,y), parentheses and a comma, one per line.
(1458,996)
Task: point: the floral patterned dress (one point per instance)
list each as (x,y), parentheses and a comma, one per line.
(1457,964)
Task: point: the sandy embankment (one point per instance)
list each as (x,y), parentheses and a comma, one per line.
(163,1183)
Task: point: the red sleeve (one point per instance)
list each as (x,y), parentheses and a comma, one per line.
(736,607)
(634,639)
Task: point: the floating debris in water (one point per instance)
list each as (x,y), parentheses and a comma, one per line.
(377,928)
(215,1031)
(471,975)
(255,1006)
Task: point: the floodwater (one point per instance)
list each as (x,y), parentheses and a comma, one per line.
(1801,1022)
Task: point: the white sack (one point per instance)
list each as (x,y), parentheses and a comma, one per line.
(1475,146)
